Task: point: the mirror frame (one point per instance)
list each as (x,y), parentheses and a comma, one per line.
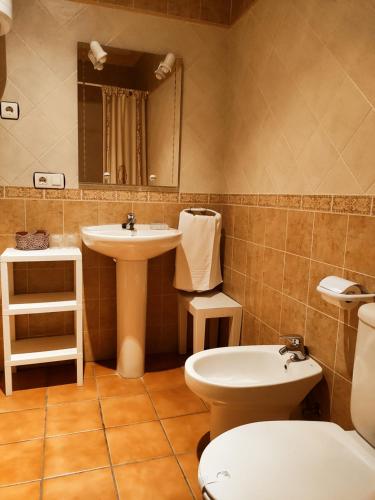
(176,140)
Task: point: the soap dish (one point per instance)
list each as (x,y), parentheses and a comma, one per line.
(32,241)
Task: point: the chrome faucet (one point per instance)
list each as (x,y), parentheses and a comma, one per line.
(295,345)
(130,222)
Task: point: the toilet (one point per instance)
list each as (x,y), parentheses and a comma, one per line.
(300,460)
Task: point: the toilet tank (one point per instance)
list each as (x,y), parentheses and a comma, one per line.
(363,389)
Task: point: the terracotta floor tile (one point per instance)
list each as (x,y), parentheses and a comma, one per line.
(137,442)
(73,417)
(177,401)
(164,379)
(21,425)
(114,385)
(102,368)
(23,400)
(159,479)
(189,463)
(188,433)
(127,410)
(31,491)
(72,392)
(75,453)
(93,485)
(21,462)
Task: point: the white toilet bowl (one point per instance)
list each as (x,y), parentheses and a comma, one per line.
(249,383)
(289,460)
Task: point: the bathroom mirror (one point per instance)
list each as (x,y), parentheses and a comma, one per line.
(129,113)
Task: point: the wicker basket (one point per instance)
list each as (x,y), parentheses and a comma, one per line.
(32,241)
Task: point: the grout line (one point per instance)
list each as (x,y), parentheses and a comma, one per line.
(166,435)
(106,440)
(44,445)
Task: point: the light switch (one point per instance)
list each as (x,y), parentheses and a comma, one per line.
(47,180)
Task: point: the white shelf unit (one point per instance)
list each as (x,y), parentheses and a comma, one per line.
(40,349)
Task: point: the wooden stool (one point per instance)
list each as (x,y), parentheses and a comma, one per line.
(202,307)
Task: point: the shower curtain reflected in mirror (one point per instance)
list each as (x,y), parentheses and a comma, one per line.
(124,136)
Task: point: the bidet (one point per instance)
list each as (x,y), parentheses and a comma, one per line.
(249,383)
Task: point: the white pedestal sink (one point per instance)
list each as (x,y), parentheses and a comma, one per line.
(131,250)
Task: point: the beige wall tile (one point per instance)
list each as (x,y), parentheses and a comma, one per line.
(43,214)
(239,255)
(341,402)
(273,268)
(255,259)
(275,231)
(360,253)
(296,277)
(359,152)
(329,238)
(293,317)
(77,214)
(321,337)
(346,341)
(257,225)
(299,233)
(271,307)
(345,113)
(12,216)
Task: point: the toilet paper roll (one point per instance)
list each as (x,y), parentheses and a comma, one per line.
(6,14)
(338,286)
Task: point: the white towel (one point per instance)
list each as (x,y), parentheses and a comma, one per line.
(198,255)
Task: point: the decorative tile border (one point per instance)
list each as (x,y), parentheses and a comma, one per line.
(23,192)
(352,204)
(289,200)
(63,194)
(346,204)
(317,202)
(267,200)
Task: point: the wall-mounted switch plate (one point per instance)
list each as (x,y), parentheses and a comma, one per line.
(9,110)
(48,180)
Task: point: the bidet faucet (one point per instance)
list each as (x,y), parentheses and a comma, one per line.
(295,345)
(130,222)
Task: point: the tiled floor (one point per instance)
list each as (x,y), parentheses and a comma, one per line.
(110,439)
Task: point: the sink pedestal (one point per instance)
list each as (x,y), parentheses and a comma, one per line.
(131,286)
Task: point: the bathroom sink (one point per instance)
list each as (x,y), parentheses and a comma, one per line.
(141,244)
(249,383)
(131,250)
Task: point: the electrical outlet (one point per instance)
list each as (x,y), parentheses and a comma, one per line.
(49,180)
(9,110)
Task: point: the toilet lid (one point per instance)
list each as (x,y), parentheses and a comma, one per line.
(291,460)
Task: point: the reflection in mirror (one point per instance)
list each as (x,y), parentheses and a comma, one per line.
(129,106)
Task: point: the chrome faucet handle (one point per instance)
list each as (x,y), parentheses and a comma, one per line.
(294,340)
(131,220)
(296,346)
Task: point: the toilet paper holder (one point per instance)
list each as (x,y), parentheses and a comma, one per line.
(342,293)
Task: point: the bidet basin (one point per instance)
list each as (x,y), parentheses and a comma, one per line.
(249,383)
(141,244)
(131,251)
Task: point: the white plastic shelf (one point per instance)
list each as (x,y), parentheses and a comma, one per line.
(40,349)
(43,349)
(50,254)
(33,303)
